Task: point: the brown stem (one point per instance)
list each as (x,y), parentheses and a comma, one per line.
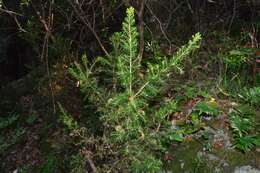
(92,165)
(79,13)
(140,15)
(14,16)
(48,25)
(160,24)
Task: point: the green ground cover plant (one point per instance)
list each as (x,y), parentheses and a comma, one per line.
(243,123)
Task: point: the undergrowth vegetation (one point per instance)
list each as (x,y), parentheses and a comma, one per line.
(138,125)
(106,106)
(14,135)
(140,131)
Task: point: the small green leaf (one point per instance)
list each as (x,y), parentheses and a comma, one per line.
(205,108)
(190,92)
(176,137)
(205,135)
(31,119)
(195,118)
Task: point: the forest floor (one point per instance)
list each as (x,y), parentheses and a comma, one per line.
(33,139)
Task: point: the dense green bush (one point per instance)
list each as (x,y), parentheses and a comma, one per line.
(140,131)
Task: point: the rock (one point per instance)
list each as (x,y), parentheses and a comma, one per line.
(246,169)
(164,172)
(212,157)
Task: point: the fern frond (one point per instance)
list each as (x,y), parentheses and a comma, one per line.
(245,143)
(251,95)
(240,125)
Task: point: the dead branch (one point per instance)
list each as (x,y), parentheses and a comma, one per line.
(79,12)
(140,15)
(159,22)
(14,16)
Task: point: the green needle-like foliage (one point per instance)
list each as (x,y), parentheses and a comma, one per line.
(140,131)
(88,81)
(157,73)
(128,62)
